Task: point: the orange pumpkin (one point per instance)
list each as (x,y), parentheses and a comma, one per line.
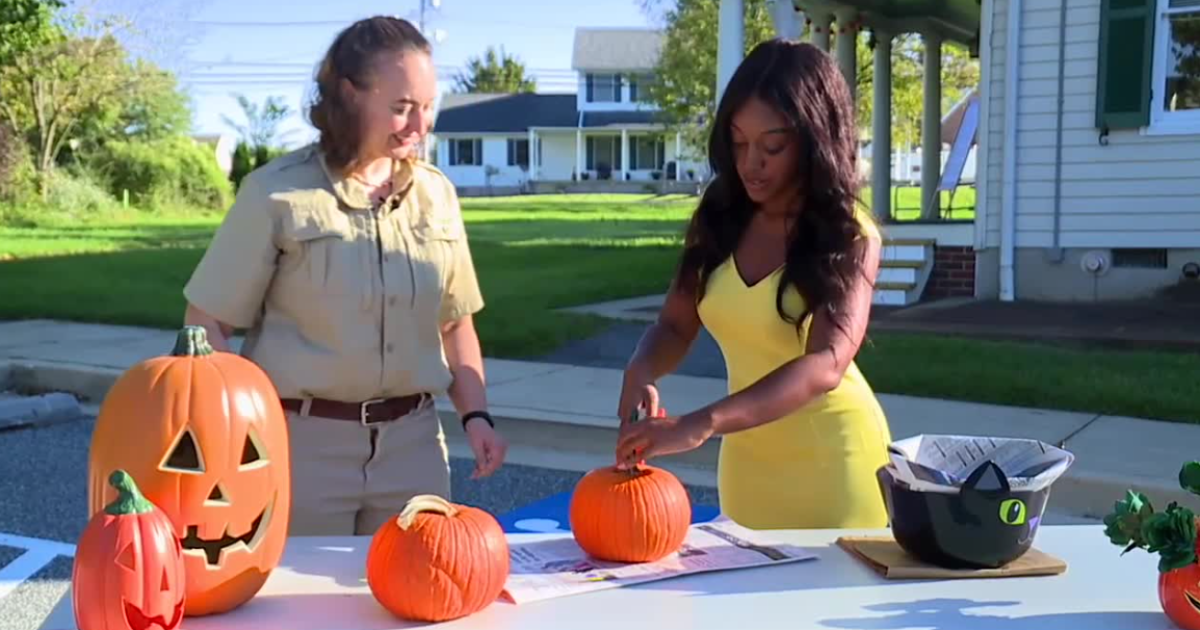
(1179,592)
(636,515)
(437,561)
(128,572)
(205,434)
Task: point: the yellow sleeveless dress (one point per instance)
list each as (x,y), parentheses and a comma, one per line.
(814,468)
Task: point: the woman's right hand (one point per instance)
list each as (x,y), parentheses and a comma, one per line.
(638,392)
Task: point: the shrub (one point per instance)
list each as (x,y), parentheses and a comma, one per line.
(76,194)
(168,172)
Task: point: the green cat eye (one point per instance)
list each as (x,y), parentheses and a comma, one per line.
(1012,512)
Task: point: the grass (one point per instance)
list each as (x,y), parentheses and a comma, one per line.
(538,254)
(532,255)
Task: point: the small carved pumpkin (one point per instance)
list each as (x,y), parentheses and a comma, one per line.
(205,435)
(437,561)
(1179,593)
(636,515)
(129,571)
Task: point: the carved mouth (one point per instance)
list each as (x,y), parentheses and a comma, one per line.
(1191,599)
(137,620)
(212,549)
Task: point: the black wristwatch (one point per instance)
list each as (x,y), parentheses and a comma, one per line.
(477,414)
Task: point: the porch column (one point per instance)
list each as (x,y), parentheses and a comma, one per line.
(820,30)
(789,24)
(678,157)
(730,26)
(579,155)
(533,163)
(931,127)
(624,153)
(847,53)
(881,132)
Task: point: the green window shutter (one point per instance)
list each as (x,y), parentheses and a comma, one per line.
(1126,55)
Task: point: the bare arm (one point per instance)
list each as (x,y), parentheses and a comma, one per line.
(467,391)
(219,332)
(829,352)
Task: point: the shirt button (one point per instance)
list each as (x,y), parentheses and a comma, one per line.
(390,348)
(392,301)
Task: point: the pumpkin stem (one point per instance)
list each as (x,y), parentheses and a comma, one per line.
(130,499)
(424,503)
(192,341)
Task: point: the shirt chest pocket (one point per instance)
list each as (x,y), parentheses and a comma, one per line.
(329,256)
(436,240)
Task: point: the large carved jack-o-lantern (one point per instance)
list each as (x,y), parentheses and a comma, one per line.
(204,433)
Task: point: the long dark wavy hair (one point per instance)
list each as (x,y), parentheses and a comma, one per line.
(824,250)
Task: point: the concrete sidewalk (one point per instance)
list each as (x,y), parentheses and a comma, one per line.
(564,417)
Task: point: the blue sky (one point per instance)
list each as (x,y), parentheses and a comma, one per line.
(269,47)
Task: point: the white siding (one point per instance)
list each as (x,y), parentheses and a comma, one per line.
(558,156)
(1139,191)
(495,153)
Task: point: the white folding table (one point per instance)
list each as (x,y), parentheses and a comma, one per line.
(320,585)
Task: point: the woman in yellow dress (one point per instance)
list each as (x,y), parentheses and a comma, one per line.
(779,266)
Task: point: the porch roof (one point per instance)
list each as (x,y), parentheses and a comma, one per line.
(956,20)
(616,119)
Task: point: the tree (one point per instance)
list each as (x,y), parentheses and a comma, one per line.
(494,73)
(687,69)
(52,89)
(262,125)
(26,25)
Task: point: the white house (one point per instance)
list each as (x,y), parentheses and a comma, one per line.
(604,134)
(1088,139)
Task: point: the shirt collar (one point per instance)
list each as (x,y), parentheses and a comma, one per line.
(355,194)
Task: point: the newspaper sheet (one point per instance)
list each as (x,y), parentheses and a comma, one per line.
(941,463)
(557,567)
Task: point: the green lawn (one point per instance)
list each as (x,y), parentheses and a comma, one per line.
(537,254)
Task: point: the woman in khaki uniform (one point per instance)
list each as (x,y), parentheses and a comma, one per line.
(347,263)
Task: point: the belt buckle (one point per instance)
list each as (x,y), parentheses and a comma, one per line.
(363,413)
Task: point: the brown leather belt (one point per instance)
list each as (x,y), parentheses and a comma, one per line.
(368,412)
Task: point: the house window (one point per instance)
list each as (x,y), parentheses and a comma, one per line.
(1177,62)
(518,152)
(1149,66)
(466,152)
(603,153)
(639,88)
(647,153)
(603,88)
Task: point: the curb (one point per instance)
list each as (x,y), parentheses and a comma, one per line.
(579,443)
(1092,494)
(36,411)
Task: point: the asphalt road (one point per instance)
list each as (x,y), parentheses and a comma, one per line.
(43,495)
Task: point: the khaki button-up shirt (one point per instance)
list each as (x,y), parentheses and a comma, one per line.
(341,300)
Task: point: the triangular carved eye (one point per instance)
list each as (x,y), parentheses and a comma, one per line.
(254,454)
(184,455)
(126,559)
(250,452)
(166,582)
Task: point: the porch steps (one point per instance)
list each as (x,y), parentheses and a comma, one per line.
(904,270)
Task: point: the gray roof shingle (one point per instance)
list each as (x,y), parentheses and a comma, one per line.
(616,49)
(505,113)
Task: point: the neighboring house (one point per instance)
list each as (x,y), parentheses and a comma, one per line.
(1089,142)
(606,132)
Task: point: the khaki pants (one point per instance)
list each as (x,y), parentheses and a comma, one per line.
(348,479)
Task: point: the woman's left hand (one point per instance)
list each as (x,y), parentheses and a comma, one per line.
(489,448)
(654,437)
